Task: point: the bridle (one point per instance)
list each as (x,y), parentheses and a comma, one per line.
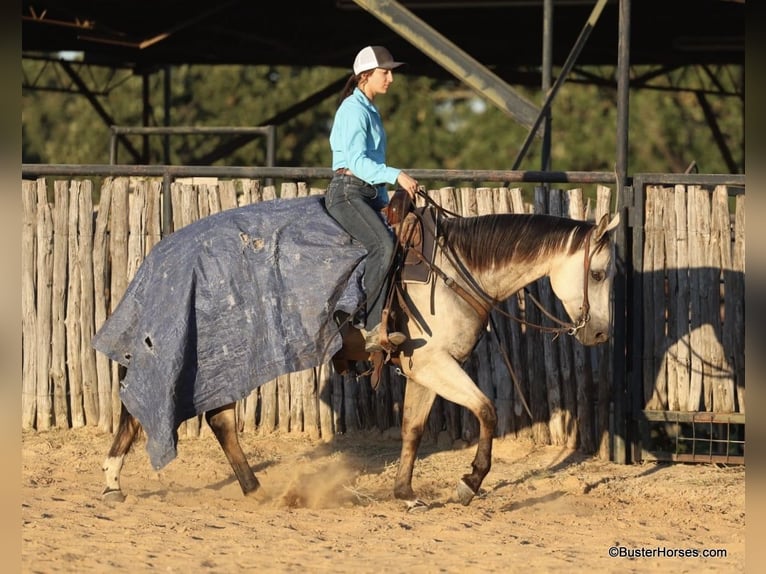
(565,326)
(483,304)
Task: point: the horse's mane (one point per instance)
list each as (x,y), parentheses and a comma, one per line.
(489,241)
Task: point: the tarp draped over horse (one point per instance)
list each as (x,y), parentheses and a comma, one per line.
(226,304)
(239,297)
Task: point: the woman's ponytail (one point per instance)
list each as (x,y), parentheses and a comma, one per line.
(348,89)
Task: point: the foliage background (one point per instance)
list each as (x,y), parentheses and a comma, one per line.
(430,123)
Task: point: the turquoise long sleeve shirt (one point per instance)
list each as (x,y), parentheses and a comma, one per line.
(358,141)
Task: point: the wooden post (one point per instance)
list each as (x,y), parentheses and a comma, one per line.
(519,340)
(575,366)
(101,301)
(118,248)
(58,304)
(314,380)
(188,209)
(669,366)
(43,390)
(136,229)
(337,402)
(735,297)
(556,420)
(310,404)
(490,369)
(350,413)
(447,198)
(87,306)
(678,283)
(602,372)
(324,395)
(655,379)
(283,403)
(504,385)
(268,394)
(28,305)
(289,190)
(227,194)
(205,194)
(536,366)
(604,361)
(73,319)
(382,401)
(268,391)
(363,401)
(699,234)
(720,369)
(470,425)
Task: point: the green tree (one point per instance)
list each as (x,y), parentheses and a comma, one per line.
(430,123)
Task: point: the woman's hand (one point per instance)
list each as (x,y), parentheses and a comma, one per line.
(409,184)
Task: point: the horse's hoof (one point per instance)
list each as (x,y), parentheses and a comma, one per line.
(113,496)
(416,505)
(464,493)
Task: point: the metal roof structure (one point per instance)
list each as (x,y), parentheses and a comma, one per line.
(490,45)
(504,35)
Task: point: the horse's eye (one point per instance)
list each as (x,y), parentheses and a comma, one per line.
(597,275)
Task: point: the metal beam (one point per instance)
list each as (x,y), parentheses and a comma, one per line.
(623,91)
(566,68)
(448,55)
(718,135)
(277,119)
(547,77)
(145,131)
(623,290)
(103,114)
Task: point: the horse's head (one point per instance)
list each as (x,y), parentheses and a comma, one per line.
(583,282)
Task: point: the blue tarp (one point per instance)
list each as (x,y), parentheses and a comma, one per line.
(226,304)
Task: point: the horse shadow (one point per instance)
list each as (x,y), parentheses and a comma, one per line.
(685,353)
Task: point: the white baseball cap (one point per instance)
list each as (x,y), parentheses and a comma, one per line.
(373,57)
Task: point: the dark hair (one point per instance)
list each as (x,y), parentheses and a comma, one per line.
(351,83)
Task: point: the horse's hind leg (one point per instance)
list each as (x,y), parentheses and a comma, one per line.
(224,426)
(417,404)
(123,440)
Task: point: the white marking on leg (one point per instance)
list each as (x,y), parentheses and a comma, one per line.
(112,467)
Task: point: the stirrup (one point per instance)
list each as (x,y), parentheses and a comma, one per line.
(372,342)
(396,338)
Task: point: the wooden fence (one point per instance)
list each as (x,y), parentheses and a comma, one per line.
(693,276)
(80,253)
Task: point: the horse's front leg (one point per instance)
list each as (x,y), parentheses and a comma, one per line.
(417,404)
(469,486)
(443,375)
(123,440)
(224,426)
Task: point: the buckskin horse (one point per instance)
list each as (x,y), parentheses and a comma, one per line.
(477,262)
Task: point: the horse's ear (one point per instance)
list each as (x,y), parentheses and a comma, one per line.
(604,226)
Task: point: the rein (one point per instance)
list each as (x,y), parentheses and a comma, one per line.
(483,304)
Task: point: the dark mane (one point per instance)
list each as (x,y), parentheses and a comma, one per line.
(492,240)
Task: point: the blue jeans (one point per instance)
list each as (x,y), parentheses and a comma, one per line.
(356,206)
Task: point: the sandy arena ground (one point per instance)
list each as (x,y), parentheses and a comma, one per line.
(329,507)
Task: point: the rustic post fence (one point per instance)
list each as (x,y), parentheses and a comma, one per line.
(81,246)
